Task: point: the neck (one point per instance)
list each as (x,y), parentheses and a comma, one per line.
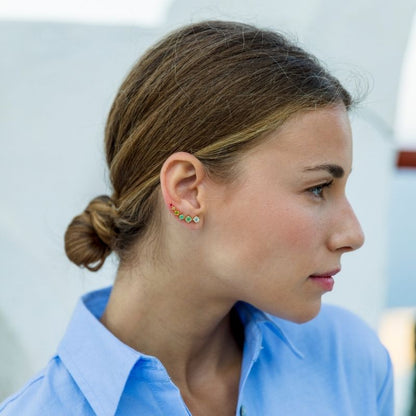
(165,315)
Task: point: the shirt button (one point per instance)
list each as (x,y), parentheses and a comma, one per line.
(243,411)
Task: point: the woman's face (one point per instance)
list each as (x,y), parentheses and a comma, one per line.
(287,218)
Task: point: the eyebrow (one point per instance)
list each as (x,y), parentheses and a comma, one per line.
(335,170)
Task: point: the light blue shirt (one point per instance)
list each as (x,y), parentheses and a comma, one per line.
(332,365)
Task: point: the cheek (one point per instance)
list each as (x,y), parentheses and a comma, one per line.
(298,229)
(288,240)
(255,240)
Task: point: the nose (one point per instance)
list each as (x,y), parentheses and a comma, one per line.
(347,234)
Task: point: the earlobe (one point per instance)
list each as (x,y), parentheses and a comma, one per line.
(181,179)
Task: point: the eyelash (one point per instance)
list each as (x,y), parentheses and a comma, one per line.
(317,191)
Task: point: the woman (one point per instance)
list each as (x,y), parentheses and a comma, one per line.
(229,150)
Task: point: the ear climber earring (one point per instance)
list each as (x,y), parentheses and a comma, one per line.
(182,217)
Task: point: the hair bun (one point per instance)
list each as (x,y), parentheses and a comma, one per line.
(90,236)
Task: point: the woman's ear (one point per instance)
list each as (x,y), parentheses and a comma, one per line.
(181,179)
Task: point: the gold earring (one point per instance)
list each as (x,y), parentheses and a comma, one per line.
(183,217)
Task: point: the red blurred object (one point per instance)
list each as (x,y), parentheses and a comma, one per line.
(406,159)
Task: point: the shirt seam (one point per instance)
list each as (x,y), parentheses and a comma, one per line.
(21,392)
(386,377)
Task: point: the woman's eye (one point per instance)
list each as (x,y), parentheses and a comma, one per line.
(318,190)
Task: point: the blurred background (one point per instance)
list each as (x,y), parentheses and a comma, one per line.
(61,65)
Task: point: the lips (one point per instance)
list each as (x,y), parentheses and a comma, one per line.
(325,280)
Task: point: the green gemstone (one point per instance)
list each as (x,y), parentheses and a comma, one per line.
(181,216)
(188,219)
(176,212)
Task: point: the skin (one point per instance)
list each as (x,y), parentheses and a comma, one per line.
(259,240)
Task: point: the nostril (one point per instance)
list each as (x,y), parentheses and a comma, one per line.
(346,249)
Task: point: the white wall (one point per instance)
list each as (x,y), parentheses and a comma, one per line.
(57,83)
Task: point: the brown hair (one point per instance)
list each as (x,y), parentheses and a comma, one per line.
(210,89)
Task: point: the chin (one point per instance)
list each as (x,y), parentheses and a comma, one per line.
(300,315)
(306,315)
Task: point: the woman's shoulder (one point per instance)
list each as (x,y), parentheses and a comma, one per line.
(341,339)
(52,391)
(343,350)
(339,326)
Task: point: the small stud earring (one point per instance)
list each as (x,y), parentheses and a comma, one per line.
(188,219)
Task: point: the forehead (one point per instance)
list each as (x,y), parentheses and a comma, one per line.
(309,138)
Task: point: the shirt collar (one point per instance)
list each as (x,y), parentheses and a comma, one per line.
(98,361)
(253,317)
(101,364)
